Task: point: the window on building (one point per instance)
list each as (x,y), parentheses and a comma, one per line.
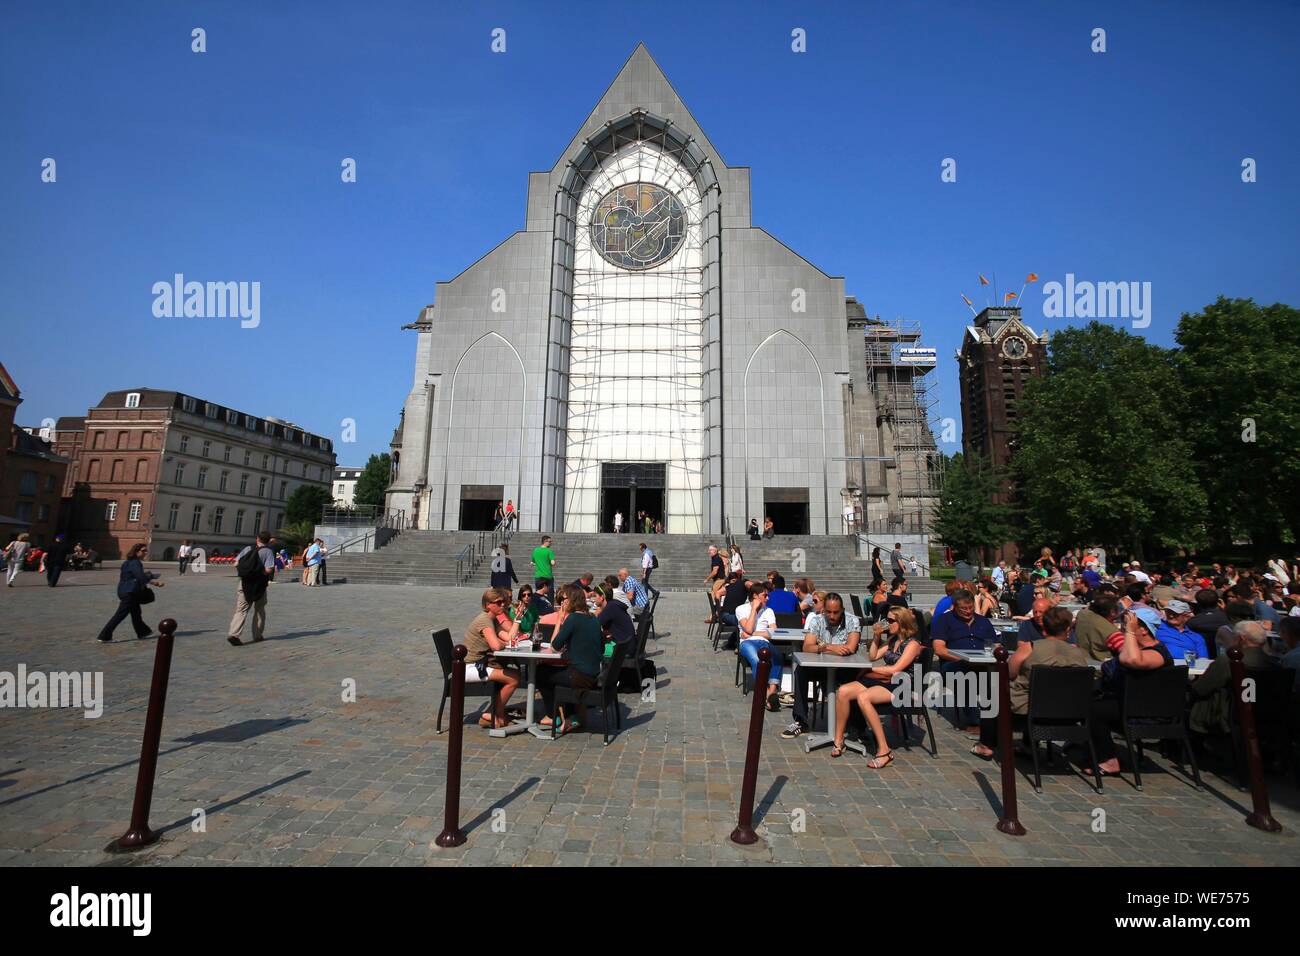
(284,489)
(122,439)
(132,399)
(225,456)
(261,487)
(203,478)
(340,490)
(288,434)
(49,482)
(207,447)
(24,511)
(185,444)
(27,483)
(179,477)
(133,512)
(142,470)
(243,484)
(266,461)
(196,517)
(173,515)
(110,512)
(117,469)
(257,522)
(239,521)
(248,456)
(225,477)
(94,470)
(98,441)
(218,516)
(232,417)
(43,513)
(250,423)
(211,410)
(188,403)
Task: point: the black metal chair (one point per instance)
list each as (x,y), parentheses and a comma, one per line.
(715,616)
(724,633)
(633,660)
(916,708)
(1154,707)
(857,606)
(1060,700)
(649,613)
(791,619)
(604,695)
(544,632)
(485,689)
(1272,706)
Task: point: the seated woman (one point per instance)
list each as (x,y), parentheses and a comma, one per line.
(1053,651)
(583,644)
(482,637)
(879,600)
(1138,650)
(894,644)
(986,599)
(529,617)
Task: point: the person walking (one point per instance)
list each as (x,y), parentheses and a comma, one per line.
(55,558)
(183,555)
(618,522)
(324,556)
(133,592)
(16,554)
(648,563)
(255,566)
(503,571)
(897,561)
(543,563)
(511,515)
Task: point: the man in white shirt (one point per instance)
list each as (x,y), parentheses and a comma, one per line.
(618,522)
(647,565)
(757,622)
(183,555)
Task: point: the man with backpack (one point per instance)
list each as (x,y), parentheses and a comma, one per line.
(255,567)
(648,563)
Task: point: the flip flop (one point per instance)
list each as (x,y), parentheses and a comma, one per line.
(838,750)
(875,762)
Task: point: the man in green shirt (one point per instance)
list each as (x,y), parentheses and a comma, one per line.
(544,562)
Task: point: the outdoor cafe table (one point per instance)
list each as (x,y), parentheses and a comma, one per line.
(835,665)
(526,657)
(984,657)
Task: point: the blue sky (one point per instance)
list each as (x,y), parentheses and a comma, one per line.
(1122,166)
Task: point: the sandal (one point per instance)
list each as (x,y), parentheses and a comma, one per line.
(875,762)
(983,756)
(837,750)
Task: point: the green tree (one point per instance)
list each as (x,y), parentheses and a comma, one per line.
(1101,455)
(373,482)
(305,504)
(970,517)
(1240,373)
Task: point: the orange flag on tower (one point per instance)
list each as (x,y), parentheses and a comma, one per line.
(983,281)
(1008,297)
(967,301)
(1032,277)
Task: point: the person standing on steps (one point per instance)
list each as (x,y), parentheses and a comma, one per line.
(648,563)
(543,563)
(255,566)
(132,592)
(897,561)
(618,522)
(503,571)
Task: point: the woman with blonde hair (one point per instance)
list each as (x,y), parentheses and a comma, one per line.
(16,554)
(482,637)
(894,646)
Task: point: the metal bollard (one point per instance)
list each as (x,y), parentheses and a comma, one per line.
(139,834)
(744,833)
(451,834)
(1009,822)
(1261,816)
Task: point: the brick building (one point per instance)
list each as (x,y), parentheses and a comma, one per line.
(161,467)
(31,474)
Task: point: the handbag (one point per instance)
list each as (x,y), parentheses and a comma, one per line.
(146,596)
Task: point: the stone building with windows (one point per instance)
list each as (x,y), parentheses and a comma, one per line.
(161,467)
(639,345)
(31,474)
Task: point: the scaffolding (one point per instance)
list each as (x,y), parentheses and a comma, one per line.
(898,376)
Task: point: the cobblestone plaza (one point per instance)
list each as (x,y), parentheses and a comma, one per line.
(286,772)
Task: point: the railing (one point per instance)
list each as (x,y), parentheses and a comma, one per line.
(394,518)
(381,537)
(464,564)
(864,544)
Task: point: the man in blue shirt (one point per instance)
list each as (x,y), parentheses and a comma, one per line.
(960,629)
(1032,629)
(781,601)
(634,589)
(945,602)
(1174,633)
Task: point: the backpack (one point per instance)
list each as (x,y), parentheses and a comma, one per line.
(654,560)
(248,565)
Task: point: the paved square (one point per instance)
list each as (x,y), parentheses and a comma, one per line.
(260,738)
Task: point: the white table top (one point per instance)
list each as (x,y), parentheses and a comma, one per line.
(519,653)
(858,661)
(782,634)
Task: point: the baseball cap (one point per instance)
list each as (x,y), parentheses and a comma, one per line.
(1136,564)
(1148,617)
(1178,607)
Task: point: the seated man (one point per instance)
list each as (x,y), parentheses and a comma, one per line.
(1175,634)
(781,601)
(1210,705)
(960,629)
(757,622)
(584,582)
(832,631)
(1032,629)
(1209,617)
(737,593)
(634,589)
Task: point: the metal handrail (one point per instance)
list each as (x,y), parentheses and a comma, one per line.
(466,555)
(864,544)
(340,548)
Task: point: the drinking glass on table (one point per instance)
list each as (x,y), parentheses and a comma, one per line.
(1190,657)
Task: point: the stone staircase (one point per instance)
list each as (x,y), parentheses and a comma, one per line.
(429,558)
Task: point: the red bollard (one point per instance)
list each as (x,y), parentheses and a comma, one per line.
(1010,822)
(139,835)
(1261,817)
(744,833)
(451,834)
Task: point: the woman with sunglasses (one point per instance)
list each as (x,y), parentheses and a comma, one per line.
(530,614)
(132,585)
(482,637)
(986,600)
(895,646)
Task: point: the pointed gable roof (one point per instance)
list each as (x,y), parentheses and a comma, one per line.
(640,84)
